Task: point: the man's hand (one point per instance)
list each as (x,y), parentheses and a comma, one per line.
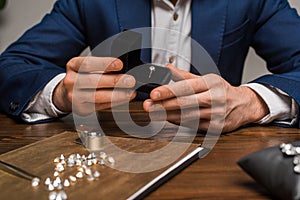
(89,85)
(205,102)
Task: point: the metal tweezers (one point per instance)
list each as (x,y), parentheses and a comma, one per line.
(17,171)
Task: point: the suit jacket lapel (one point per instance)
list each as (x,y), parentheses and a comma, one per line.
(208,25)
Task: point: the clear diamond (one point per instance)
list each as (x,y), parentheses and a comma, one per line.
(35,182)
(63,195)
(50,187)
(297,169)
(67,183)
(90,178)
(59,167)
(56,160)
(56,173)
(52,195)
(47,181)
(62,157)
(96,174)
(103,155)
(88,171)
(101,162)
(111,160)
(72,178)
(79,175)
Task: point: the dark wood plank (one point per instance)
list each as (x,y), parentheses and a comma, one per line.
(15,135)
(216,176)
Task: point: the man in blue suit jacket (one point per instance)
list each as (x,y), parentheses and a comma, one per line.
(225,28)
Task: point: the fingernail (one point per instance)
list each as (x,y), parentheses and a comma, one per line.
(128,81)
(156,94)
(117,64)
(148,104)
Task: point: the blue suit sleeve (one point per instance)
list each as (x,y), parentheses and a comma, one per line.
(277,41)
(41,53)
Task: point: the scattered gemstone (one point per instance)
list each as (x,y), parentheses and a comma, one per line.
(56,160)
(72,178)
(89,162)
(35,182)
(88,171)
(59,167)
(90,178)
(93,155)
(52,195)
(56,173)
(297,169)
(96,174)
(296,160)
(94,161)
(111,160)
(63,162)
(47,181)
(84,166)
(55,184)
(80,169)
(297,149)
(67,183)
(103,155)
(83,162)
(60,186)
(63,195)
(58,180)
(50,187)
(79,175)
(71,163)
(78,162)
(290,150)
(101,162)
(62,157)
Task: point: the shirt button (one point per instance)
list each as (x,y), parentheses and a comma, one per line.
(171,59)
(175,16)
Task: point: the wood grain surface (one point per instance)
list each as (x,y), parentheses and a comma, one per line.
(38,157)
(217,176)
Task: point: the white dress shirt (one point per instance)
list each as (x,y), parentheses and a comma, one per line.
(173,46)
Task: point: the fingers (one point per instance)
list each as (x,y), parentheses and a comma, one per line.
(94,64)
(86,81)
(89,85)
(180,88)
(116,102)
(198,100)
(190,114)
(206,102)
(178,75)
(192,119)
(103,96)
(87,101)
(93,73)
(200,92)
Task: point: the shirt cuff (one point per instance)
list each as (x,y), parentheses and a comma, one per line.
(283,109)
(41,106)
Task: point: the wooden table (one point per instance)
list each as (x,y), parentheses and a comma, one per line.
(217,176)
